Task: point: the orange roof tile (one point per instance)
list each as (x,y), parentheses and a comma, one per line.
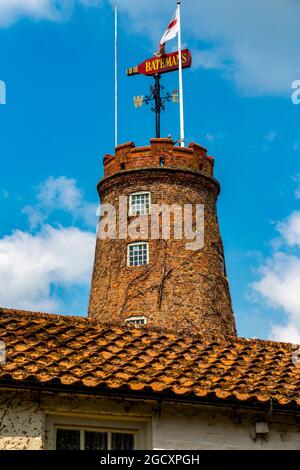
(57,350)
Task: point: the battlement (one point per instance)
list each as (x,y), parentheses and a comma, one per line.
(160,153)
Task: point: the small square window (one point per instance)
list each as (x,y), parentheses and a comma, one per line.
(137,254)
(139,204)
(137,320)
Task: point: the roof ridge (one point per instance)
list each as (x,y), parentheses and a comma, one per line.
(179,334)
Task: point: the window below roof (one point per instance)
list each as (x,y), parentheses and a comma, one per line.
(99,433)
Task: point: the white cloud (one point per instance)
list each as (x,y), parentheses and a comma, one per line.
(209,59)
(12,10)
(60,194)
(289,229)
(279,283)
(30,265)
(38,270)
(52,10)
(286,333)
(256,44)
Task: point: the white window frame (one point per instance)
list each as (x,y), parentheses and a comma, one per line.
(131,213)
(135,320)
(140,427)
(128,256)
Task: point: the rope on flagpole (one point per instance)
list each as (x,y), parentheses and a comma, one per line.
(180,78)
(116,73)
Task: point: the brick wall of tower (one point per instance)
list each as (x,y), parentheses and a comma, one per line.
(179,288)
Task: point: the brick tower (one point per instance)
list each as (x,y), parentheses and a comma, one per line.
(154,280)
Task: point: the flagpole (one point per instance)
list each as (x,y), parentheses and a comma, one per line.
(116,73)
(180,78)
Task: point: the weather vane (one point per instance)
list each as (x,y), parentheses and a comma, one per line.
(155,67)
(160,64)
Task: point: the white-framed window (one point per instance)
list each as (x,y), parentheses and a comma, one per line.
(137,254)
(139,203)
(82,433)
(137,320)
(67,438)
(223,268)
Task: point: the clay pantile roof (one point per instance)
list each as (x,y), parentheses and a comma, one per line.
(53,350)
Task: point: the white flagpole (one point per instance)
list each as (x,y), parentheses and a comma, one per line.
(116,73)
(180,78)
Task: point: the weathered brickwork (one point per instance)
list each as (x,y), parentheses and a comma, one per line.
(179,288)
(129,157)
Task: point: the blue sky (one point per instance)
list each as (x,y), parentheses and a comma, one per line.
(57,63)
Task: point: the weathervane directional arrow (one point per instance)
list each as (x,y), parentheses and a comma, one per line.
(155,67)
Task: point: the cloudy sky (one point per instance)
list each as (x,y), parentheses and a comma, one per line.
(57,63)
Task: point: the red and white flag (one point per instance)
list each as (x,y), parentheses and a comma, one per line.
(171,30)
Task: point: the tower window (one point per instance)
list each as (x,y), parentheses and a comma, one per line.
(139,203)
(138,254)
(161,161)
(138,320)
